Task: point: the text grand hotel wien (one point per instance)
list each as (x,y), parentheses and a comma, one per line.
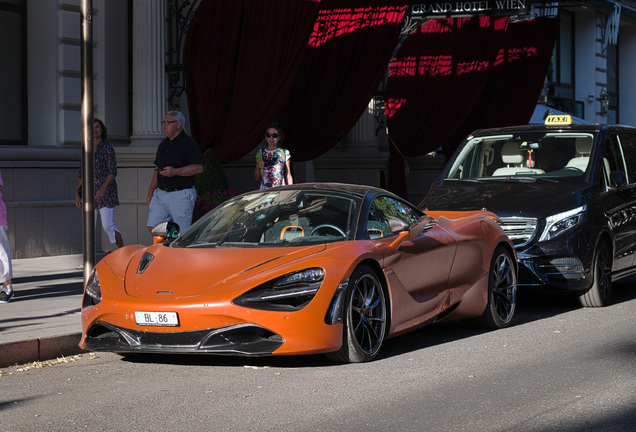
(432,8)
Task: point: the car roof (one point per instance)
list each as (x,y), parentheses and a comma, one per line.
(350,189)
(596,127)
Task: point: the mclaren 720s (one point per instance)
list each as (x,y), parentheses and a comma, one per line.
(303,269)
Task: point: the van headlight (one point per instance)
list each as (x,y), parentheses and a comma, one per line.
(557,224)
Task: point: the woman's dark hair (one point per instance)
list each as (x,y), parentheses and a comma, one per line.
(280,132)
(104,130)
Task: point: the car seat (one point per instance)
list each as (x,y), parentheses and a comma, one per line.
(583,149)
(513,158)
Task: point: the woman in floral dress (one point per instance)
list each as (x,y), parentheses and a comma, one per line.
(272,163)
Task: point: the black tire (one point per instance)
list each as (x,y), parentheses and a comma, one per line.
(600,292)
(365,320)
(502,292)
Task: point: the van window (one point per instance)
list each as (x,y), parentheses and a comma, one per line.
(613,158)
(628,144)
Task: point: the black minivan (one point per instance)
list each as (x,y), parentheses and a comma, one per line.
(566,195)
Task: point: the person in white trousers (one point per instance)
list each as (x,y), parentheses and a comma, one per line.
(6,272)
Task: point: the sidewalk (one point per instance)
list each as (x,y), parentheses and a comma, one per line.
(42,322)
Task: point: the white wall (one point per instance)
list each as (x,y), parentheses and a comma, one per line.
(585,55)
(626,75)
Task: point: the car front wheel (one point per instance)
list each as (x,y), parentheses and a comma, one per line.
(502,292)
(365,318)
(599,294)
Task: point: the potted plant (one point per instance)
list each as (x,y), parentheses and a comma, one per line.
(212,186)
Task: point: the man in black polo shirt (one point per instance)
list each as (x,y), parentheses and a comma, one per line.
(171,195)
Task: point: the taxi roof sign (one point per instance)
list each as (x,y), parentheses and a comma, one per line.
(558,120)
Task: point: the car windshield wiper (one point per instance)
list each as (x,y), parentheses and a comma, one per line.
(238,244)
(524,179)
(222,243)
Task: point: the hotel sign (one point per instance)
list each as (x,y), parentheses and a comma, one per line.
(433,9)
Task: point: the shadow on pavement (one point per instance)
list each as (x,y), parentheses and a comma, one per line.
(31,279)
(531,306)
(18,322)
(48,291)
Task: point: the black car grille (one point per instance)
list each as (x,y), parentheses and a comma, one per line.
(568,268)
(519,229)
(239,339)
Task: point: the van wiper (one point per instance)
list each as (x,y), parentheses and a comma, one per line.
(523,179)
(471,180)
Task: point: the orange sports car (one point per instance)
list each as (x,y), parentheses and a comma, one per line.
(302,269)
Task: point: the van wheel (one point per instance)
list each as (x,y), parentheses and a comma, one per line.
(599,294)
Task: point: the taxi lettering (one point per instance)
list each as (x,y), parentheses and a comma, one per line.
(558,120)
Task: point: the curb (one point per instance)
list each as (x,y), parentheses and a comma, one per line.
(39,349)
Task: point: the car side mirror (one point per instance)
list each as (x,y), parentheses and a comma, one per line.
(165,232)
(618,180)
(400,227)
(397,224)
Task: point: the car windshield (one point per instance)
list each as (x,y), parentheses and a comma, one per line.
(273,217)
(549,155)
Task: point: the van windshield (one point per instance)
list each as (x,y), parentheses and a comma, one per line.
(540,154)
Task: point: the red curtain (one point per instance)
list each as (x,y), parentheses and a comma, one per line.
(516,81)
(348,52)
(241,60)
(453,76)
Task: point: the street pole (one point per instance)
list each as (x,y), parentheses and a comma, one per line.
(88,170)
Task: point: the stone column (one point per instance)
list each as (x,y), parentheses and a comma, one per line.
(149,77)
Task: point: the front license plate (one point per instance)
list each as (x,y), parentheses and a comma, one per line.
(170,319)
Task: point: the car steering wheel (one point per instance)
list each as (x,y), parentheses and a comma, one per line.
(333,227)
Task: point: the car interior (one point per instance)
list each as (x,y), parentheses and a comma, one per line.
(542,155)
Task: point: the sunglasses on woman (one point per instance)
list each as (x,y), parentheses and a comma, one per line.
(272,135)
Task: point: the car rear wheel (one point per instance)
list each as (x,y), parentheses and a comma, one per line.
(599,294)
(365,318)
(502,292)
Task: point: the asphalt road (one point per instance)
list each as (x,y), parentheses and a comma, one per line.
(558,368)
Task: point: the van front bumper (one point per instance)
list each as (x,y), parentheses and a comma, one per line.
(561,264)
(554,274)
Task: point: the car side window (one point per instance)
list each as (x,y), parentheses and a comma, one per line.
(383,207)
(613,158)
(628,144)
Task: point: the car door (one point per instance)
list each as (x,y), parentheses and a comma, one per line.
(619,154)
(422,264)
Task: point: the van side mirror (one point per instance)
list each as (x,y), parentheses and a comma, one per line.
(618,180)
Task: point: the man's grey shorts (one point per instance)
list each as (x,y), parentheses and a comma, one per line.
(176,206)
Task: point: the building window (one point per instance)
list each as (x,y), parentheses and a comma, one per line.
(561,72)
(564,49)
(13,109)
(612,83)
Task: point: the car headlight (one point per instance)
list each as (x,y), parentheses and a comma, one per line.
(291,292)
(93,291)
(557,224)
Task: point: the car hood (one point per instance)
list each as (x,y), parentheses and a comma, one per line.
(507,198)
(178,273)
